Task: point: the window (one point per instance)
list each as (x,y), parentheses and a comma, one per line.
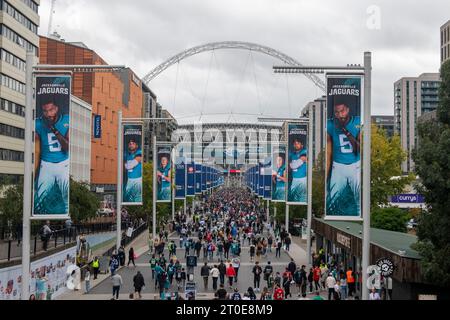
(11,155)
(11,83)
(16,14)
(14,37)
(13,60)
(10,131)
(12,107)
(33,5)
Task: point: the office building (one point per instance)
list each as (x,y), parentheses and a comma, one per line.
(19,21)
(318,131)
(445,42)
(385,123)
(413,97)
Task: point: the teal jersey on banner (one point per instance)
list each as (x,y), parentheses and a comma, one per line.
(280,183)
(136,172)
(342,148)
(165,172)
(51,150)
(301,171)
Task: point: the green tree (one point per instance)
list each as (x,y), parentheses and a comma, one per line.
(83,203)
(386,158)
(11,205)
(393,219)
(432,164)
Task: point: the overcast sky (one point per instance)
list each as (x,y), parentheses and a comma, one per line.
(142,34)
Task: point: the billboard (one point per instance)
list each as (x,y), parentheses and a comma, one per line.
(203,181)
(97,126)
(190,179)
(297,163)
(132,165)
(198,178)
(267,192)
(279,173)
(343,150)
(52,148)
(180,178)
(164,174)
(260,179)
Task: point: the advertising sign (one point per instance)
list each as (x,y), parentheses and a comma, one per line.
(132,164)
(164,174)
(297,135)
(279,173)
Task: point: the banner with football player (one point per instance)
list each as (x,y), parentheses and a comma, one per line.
(132,165)
(279,173)
(198,178)
(164,174)
(190,179)
(180,178)
(343,149)
(297,168)
(52,148)
(267,193)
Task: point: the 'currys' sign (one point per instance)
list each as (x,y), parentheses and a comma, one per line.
(408,198)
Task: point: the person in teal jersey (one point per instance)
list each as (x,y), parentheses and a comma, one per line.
(298,166)
(133,167)
(279,179)
(343,160)
(51,158)
(164,179)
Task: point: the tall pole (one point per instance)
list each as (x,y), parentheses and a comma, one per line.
(28,172)
(155,157)
(172,185)
(287,218)
(119,182)
(310,165)
(267,211)
(366,172)
(274,216)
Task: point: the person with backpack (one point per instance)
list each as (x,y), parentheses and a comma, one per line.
(268,270)
(113,263)
(257,270)
(292,266)
(278,293)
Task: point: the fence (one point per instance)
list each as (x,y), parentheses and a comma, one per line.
(12,249)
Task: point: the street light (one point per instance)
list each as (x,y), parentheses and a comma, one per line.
(31,68)
(366,69)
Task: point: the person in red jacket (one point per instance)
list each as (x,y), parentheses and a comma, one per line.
(316,277)
(231,274)
(278,293)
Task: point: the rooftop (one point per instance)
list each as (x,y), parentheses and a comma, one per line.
(394,242)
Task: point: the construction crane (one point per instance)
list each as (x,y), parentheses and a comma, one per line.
(50,21)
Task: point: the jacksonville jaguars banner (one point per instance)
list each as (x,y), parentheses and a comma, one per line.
(198,178)
(52,148)
(343,149)
(190,179)
(132,165)
(279,173)
(180,178)
(203,183)
(267,193)
(297,139)
(164,174)
(260,179)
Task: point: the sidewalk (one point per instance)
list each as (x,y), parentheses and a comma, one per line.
(141,243)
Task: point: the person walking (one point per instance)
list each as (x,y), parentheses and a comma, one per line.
(350,282)
(337,291)
(287,242)
(221,294)
(316,278)
(215,276)
(265,294)
(205,274)
(138,283)
(231,273)
(251,294)
(222,272)
(303,280)
(343,285)
(270,243)
(286,282)
(310,279)
(121,255)
(236,262)
(153,262)
(236,295)
(252,252)
(117,282)
(96,267)
(278,293)
(131,257)
(268,270)
(45,234)
(278,250)
(330,283)
(257,270)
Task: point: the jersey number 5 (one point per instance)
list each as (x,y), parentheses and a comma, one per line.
(346,146)
(53,143)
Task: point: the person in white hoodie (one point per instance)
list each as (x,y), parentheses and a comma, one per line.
(214,273)
(330,283)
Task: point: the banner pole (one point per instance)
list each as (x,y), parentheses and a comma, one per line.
(287,218)
(28,172)
(172,185)
(119,182)
(366,173)
(310,171)
(155,157)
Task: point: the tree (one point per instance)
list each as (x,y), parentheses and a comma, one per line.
(83,203)
(386,158)
(393,219)
(432,164)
